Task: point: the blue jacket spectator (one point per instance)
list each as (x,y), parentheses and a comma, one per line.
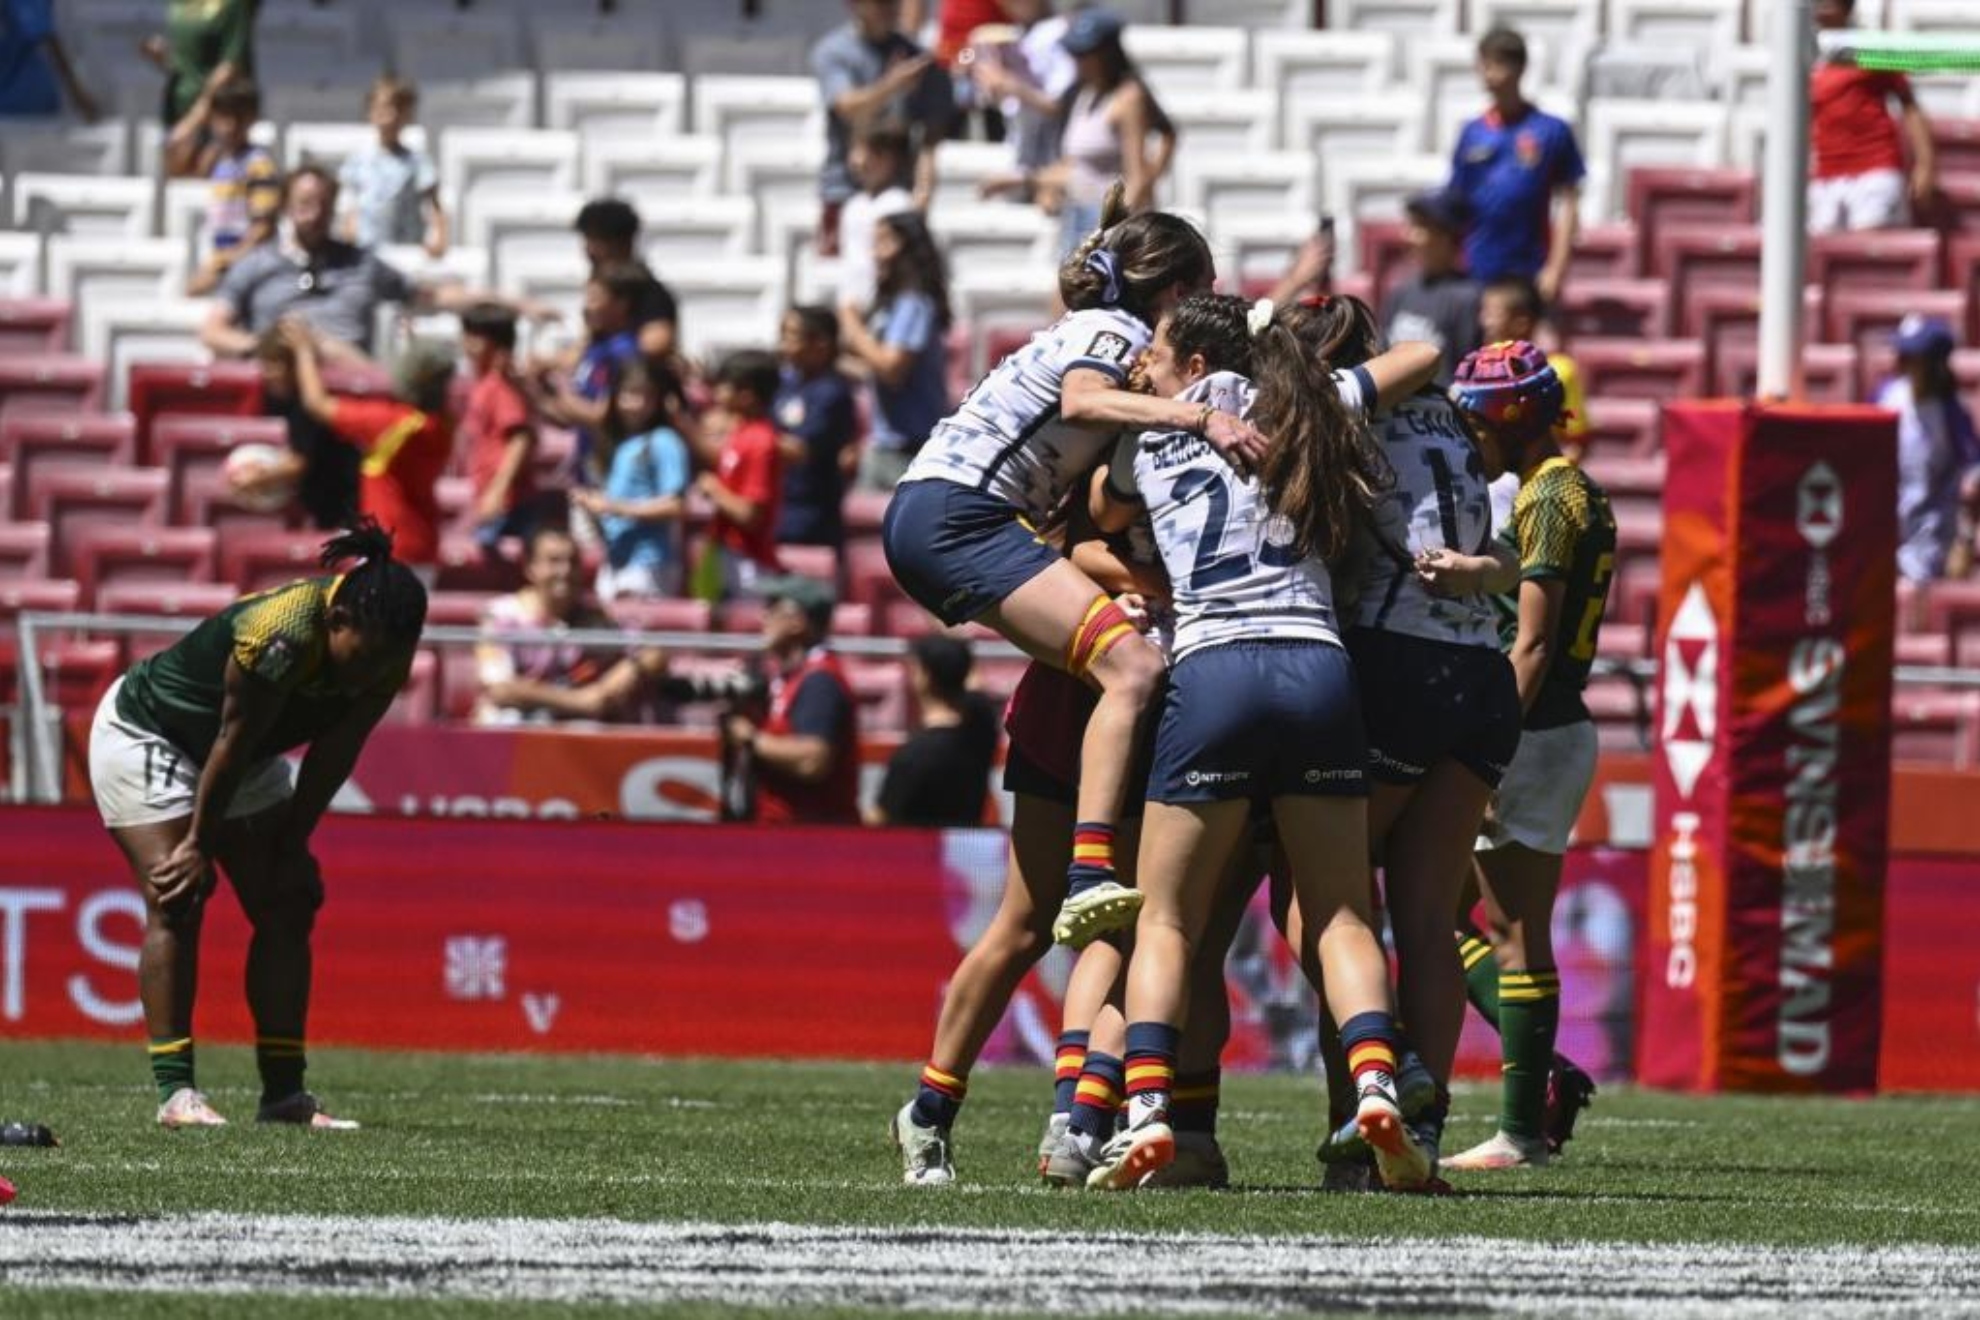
(818,427)
(903,342)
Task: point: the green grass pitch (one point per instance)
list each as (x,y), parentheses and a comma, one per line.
(1665,1203)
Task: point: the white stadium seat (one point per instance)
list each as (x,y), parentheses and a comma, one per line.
(1258,245)
(962,167)
(118,331)
(755,55)
(510,224)
(754,110)
(80,204)
(20,264)
(605,107)
(1411,20)
(1445,69)
(321,32)
(182,210)
(428,43)
(478,161)
(727,305)
(469,266)
(1265,16)
(1226,186)
(1695,25)
(329,144)
(311,91)
(1337,129)
(567,42)
(1011,297)
(782,176)
(1374,187)
(993,233)
(1224,122)
(555,279)
(86,268)
(1330,63)
(34,146)
(688,231)
(1746,136)
(814,279)
(1621,134)
(503,100)
(656,168)
(1178,59)
(1741,74)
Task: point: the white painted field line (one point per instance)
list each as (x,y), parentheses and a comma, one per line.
(959,1269)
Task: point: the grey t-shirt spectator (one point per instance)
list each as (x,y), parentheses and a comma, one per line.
(904,415)
(844,61)
(337,291)
(1435,309)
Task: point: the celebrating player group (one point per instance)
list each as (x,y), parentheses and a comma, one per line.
(1252,556)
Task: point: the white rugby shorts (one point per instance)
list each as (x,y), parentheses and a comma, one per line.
(1541,795)
(139,778)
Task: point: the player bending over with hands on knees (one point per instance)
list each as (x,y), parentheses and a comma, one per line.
(185,761)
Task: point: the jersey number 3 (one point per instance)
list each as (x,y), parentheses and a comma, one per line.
(1213,565)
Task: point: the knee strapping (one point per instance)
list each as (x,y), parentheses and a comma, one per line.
(1105,626)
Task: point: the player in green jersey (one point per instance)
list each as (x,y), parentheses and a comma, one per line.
(185,760)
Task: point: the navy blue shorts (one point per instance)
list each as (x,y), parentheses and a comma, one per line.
(1427,701)
(1260,720)
(957,551)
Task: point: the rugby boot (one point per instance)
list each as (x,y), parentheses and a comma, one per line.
(1099,910)
(303,1110)
(187,1108)
(1133,1156)
(1569,1091)
(1402,1163)
(1055,1128)
(925,1153)
(1501,1151)
(1199,1162)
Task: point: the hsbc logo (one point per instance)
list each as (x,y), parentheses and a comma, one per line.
(1691,690)
(1819,513)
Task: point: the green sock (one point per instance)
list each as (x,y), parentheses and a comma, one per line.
(1529,1019)
(281,1062)
(171,1064)
(1481,974)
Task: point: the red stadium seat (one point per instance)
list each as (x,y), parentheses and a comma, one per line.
(152,556)
(1953,608)
(863,511)
(24,550)
(206,500)
(868,579)
(998,342)
(743,615)
(1866,317)
(1634,590)
(1630,426)
(49,382)
(1385,257)
(1672,369)
(185,444)
(1727,318)
(178,600)
(664,615)
(254,559)
(1931,649)
(813,561)
(852,619)
(1634,309)
(1663,195)
(1910,605)
(160,389)
(881,688)
(1605,252)
(1955,145)
(1623,641)
(1634,484)
(419,700)
(1888,259)
(75,675)
(34,325)
(1696,257)
(1621,711)
(72,501)
(457,609)
(37,444)
(463,567)
(40,596)
(1831,373)
(1963,273)
(1958,201)
(1936,727)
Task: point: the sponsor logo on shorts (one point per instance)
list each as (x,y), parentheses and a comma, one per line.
(1382,761)
(1110,347)
(1198,778)
(954,601)
(1316,776)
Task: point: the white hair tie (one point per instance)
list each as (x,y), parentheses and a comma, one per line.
(1259,317)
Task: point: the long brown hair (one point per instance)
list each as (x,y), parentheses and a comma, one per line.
(1147,254)
(1323,472)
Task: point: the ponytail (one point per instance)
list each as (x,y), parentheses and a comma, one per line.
(379,593)
(1129,261)
(1323,472)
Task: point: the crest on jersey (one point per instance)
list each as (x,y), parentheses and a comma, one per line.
(1110,347)
(277,659)
(1526,146)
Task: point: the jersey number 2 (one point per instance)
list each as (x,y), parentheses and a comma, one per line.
(1212,566)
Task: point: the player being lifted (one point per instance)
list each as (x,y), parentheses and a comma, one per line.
(185,760)
(1262,701)
(1565,539)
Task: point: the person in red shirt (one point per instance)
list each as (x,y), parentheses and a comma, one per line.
(404,441)
(802,760)
(747,485)
(498,430)
(1858,178)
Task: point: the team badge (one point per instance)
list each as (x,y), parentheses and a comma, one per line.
(1110,347)
(277,659)
(792,413)
(1527,147)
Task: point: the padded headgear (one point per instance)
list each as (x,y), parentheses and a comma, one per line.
(1510,387)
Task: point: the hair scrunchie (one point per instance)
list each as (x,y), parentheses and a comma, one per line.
(1259,318)
(1107,266)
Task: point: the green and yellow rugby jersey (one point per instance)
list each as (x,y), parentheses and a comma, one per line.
(1562,527)
(279,637)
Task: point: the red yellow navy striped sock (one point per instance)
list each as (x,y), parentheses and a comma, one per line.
(1092,857)
(1097,1097)
(1370,1041)
(1193,1106)
(1067,1065)
(939,1098)
(1151,1069)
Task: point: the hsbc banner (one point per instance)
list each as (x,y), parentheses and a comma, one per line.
(1772,807)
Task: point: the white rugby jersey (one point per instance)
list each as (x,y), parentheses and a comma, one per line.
(1440,501)
(1007,439)
(1230,561)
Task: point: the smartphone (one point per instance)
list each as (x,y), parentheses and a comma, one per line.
(1326,224)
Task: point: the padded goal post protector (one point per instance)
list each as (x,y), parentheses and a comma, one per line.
(1772,816)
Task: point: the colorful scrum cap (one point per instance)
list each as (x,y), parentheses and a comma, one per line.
(1510,387)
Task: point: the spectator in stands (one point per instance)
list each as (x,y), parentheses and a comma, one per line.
(902,342)
(246,192)
(1029,79)
(645,494)
(1938,451)
(1519,170)
(391,191)
(35,72)
(335,287)
(1510,308)
(524,682)
(498,431)
(205,43)
(802,761)
(1110,118)
(1437,303)
(869,70)
(941,775)
(1858,179)
(611,303)
(405,440)
(818,429)
(610,230)
(747,485)
(878,161)
(321,467)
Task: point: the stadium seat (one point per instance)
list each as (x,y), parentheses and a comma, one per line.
(1953,608)
(1013,298)
(1963,273)
(140,556)
(651,614)
(1931,15)
(688,231)
(645,171)
(863,511)
(1190,59)
(37,595)
(49,382)
(463,567)
(1625,135)
(594,43)
(256,559)
(88,269)
(20,264)
(418,702)
(995,233)
(34,325)
(739,110)
(1956,145)
(428,43)
(507,225)
(1336,130)
(961,170)
(38,444)
(1935,726)
(1700,25)
(1672,369)
(72,500)
(880,687)
(1727,319)
(1932,650)
(1266,16)
(1223,122)
(122,331)
(868,578)
(1658,196)
(1831,373)
(1231,186)
(1701,256)
(1256,247)
(813,561)
(1886,259)
(296,89)
(165,389)
(1634,484)
(1637,309)
(457,609)
(733,304)
(24,550)
(1568,28)
(1740,73)
(1360,188)
(754,55)
(1624,425)
(100,149)
(479,162)
(617,107)
(503,100)
(329,144)
(1605,251)
(781,176)
(1407,19)
(1866,317)
(81,205)
(1324,64)
(329,34)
